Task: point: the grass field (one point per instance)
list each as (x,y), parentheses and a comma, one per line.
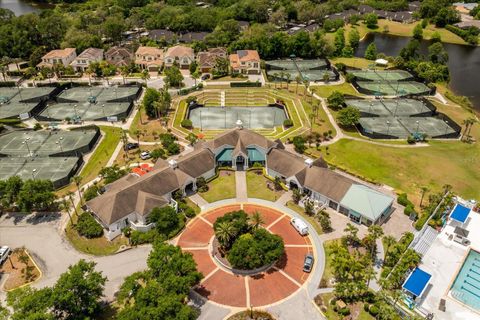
(326,91)
(102,153)
(403,30)
(328,272)
(134,155)
(221,188)
(149,128)
(257,187)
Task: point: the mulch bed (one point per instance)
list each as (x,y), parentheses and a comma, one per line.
(17,270)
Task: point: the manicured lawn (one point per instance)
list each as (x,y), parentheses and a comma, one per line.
(328,272)
(403,30)
(102,153)
(99,159)
(221,188)
(150,128)
(314,222)
(193,205)
(257,187)
(97,246)
(408,169)
(326,91)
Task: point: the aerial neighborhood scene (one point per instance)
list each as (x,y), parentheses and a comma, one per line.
(234,160)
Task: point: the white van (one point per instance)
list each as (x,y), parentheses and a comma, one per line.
(300,226)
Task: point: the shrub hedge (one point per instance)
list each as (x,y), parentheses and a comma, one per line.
(88,227)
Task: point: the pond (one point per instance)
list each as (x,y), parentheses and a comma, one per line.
(20,7)
(463,62)
(226,117)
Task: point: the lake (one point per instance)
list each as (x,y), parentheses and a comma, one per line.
(463,62)
(20,7)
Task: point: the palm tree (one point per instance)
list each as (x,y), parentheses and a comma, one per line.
(140,108)
(66,206)
(137,133)
(374,233)
(351,233)
(225,232)
(70,196)
(423,190)
(388,242)
(305,83)
(145,77)
(275,76)
(256,220)
(124,71)
(298,80)
(77,180)
(288,76)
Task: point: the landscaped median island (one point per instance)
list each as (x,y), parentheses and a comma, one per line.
(241,242)
(20,270)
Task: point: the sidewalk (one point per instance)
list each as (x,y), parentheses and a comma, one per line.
(241,186)
(198,200)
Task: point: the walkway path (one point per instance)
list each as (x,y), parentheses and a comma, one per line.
(284,198)
(198,200)
(241,186)
(377,267)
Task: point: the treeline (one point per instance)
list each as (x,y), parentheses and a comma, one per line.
(470,35)
(26,196)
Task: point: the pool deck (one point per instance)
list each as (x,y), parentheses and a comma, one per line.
(443,261)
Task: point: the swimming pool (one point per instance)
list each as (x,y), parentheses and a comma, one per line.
(226,117)
(466,287)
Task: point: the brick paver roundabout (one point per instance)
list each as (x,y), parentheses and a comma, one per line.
(222,286)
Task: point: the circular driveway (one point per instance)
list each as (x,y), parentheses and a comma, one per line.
(226,288)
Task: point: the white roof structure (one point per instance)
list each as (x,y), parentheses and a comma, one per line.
(381,62)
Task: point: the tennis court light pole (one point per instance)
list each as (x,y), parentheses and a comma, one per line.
(388,127)
(25,142)
(418,125)
(33,173)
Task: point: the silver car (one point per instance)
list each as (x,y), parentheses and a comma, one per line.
(4,252)
(308,263)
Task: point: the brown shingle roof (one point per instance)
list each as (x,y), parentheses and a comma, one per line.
(117,203)
(179,51)
(325,182)
(197,163)
(285,163)
(59,53)
(248,138)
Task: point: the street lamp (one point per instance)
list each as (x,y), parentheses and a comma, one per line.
(418,125)
(75,110)
(25,142)
(59,143)
(103,110)
(33,173)
(388,127)
(447,126)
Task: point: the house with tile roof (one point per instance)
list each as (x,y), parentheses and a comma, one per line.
(119,56)
(207,60)
(162,35)
(181,55)
(129,200)
(245,62)
(149,58)
(83,60)
(59,56)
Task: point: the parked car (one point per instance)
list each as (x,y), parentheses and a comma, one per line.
(300,226)
(308,262)
(145,155)
(131,146)
(4,252)
(205,77)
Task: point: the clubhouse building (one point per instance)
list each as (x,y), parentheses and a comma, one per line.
(129,200)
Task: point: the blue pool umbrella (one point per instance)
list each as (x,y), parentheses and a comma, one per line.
(416,282)
(460,213)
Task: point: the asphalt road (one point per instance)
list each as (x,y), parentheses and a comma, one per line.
(52,252)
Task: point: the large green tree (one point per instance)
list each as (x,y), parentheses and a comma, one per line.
(173,77)
(78,292)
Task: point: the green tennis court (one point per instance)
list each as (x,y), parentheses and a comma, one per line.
(393,88)
(22,102)
(57,169)
(389,107)
(381,75)
(27,143)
